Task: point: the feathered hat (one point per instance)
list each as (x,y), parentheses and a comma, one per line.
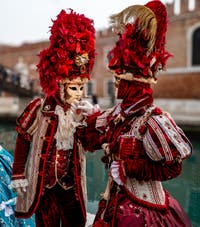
(71,52)
(140,51)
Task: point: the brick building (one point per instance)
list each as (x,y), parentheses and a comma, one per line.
(180,80)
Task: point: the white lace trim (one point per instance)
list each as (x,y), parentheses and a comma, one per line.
(66,128)
(19,183)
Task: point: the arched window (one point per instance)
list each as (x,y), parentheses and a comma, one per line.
(196,47)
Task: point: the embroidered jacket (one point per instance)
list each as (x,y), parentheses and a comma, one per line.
(149,146)
(34,157)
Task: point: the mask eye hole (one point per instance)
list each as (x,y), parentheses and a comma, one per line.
(73,88)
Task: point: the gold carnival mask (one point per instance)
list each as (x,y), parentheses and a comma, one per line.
(74,89)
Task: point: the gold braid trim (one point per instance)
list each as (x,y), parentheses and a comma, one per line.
(78,80)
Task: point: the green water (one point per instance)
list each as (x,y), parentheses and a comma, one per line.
(185,188)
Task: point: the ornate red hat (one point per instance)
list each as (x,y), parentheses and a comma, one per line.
(140,51)
(71,52)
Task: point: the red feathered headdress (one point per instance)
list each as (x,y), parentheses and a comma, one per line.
(71,52)
(140,51)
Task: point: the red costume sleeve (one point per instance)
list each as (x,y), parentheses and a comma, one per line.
(90,137)
(20,156)
(158,154)
(26,124)
(144,169)
(163,139)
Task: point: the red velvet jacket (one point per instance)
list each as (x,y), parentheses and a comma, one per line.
(36,128)
(148,144)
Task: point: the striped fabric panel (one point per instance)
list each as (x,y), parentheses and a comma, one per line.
(151,148)
(174,135)
(160,135)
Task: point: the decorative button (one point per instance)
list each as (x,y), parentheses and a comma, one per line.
(47,107)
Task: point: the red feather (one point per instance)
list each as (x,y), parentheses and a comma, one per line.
(71,34)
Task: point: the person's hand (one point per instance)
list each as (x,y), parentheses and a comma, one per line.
(19,185)
(114,170)
(77,113)
(87,108)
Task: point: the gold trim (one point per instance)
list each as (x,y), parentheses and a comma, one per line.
(130,77)
(78,80)
(81,59)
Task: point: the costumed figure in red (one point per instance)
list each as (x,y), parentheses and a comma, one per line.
(49,160)
(143,145)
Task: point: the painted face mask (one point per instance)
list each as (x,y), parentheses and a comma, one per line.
(73,92)
(73,89)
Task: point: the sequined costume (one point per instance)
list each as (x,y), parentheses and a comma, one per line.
(7,196)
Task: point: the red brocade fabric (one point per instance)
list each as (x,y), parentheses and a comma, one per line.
(124,208)
(59,169)
(122,211)
(49,171)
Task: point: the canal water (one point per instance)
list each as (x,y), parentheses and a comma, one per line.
(185,188)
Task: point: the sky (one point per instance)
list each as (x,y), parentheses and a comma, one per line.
(28,21)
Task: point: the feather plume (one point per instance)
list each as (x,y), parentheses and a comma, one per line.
(71,51)
(145,18)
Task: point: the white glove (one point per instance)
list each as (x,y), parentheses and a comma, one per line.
(87,108)
(76,112)
(114,169)
(19,185)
